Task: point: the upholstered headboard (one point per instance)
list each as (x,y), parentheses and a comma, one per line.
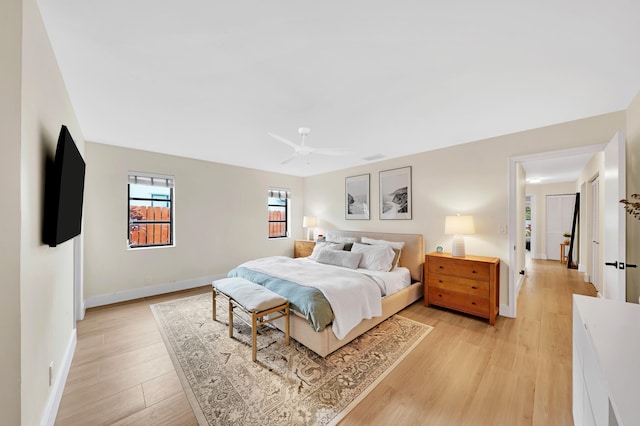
(412,256)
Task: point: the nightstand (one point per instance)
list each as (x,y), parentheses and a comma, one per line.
(303,248)
(469,284)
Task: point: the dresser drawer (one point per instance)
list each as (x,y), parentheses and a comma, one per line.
(460,301)
(459,268)
(462,285)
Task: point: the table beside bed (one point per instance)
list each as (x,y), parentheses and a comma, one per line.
(469,284)
(303,248)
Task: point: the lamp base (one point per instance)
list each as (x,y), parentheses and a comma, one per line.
(457,248)
(310,234)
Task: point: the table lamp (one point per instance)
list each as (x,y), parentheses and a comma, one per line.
(309,222)
(458,226)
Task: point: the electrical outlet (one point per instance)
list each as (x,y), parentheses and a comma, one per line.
(502,229)
(51,373)
(147,280)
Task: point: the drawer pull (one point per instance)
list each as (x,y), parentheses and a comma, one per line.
(439,295)
(473,303)
(473,272)
(474,287)
(440,281)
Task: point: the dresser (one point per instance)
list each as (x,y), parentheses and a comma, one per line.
(469,284)
(303,248)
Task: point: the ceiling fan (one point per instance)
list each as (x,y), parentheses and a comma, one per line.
(302,150)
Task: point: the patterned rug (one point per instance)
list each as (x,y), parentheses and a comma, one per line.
(289,385)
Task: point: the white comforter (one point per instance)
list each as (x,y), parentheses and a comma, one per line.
(353,296)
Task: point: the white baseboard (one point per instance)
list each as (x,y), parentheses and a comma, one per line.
(138,293)
(83,310)
(57,387)
(506,311)
(509,311)
(582,268)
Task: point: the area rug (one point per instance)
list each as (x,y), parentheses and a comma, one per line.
(289,385)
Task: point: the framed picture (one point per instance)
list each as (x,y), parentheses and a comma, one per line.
(395,193)
(356,194)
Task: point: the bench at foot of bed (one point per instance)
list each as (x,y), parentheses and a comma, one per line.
(253,299)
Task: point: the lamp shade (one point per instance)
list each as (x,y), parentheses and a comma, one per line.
(459,225)
(309,221)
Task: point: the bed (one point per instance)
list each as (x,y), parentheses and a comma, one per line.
(344,327)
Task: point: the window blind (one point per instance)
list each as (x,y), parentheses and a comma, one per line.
(279,193)
(148,179)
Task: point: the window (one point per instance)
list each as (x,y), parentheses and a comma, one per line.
(278,208)
(159,197)
(150,222)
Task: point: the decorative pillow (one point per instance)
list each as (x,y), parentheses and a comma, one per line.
(374,257)
(396,258)
(397,247)
(324,245)
(347,246)
(339,258)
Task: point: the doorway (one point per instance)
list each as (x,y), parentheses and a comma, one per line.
(559,161)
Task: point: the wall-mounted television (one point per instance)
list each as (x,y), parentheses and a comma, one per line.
(64,192)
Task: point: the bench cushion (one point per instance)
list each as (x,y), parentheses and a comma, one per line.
(253,297)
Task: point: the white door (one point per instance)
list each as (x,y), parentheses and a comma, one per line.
(559,220)
(596,261)
(614,250)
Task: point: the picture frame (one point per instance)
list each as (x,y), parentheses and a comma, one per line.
(395,193)
(356,197)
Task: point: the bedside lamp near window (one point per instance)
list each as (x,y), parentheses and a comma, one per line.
(309,222)
(458,226)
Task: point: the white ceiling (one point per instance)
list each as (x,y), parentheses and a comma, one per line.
(557,169)
(209,79)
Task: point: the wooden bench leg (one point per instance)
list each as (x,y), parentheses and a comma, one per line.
(286,318)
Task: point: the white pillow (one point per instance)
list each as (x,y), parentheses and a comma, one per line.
(325,245)
(397,247)
(339,258)
(374,257)
(393,244)
(340,239)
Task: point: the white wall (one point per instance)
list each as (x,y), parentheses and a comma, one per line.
(472,178)
(10,86)
(220,214)
(633,187)
(46,274)
(540,191)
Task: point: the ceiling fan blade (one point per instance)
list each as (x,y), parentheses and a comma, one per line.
(331,151)
(283,140)
(289,159)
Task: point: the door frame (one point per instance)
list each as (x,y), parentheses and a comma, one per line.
(614,218)
(594,201)
(515,279)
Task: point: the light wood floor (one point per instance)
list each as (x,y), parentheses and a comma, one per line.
(464,372)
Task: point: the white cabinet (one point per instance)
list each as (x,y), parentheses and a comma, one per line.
(606,362)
